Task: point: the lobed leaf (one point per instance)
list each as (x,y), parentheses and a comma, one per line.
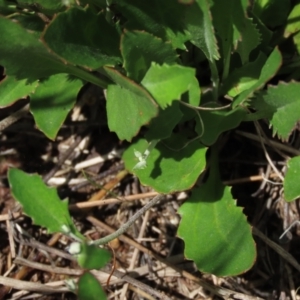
(188,159)
(216,233)
(249,37)
(12,90)
(52,101)
(269,69)
(129,106)
(243,78)
(167,83)
(199,25)
(140,48)
(40,202)
(24,56)
(265,33)
(168,24)
(83,38)
(280,104)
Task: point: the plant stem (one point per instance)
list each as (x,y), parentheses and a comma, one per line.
(102,82)
(226,64)
(125,226)
(215,79)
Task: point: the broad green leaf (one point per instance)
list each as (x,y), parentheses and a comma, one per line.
(291,184)
(89,288)
(280,104)
(269,69)
(265,33)
(167,83)
(246,36)
(140,48)
(199,24)
(188,159)
(33,23)
(167,24)
(215,231)
(293,21)
(92,257)
(293,26)
(12,90)
(129,106)
(40,202)
(273,13)
(161,127)
(84,38)
(249,38)
(223,25)
(193,96)
(127,111)
(243,78)
(52,101)
(24,56)
(213,123)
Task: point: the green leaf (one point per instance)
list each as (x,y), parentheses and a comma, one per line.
(84,38)
(216,122)
(129,106)
(269,69)
(246,36)
(293,22)
(52,101)
(12,90)
(265,33)
(140,48)
(92,257)
(291,184)
(293,26)
(273,13)
(216,233)
(199,24)
(280,104)
(32,23)
(168,83)
(89,288)
(188,159)
(223,24)
(161,127)
(244,78)
(40,202)
(24,56)
(193,96)
(249,38)
(167,24)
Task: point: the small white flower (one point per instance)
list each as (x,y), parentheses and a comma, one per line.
(74,248)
